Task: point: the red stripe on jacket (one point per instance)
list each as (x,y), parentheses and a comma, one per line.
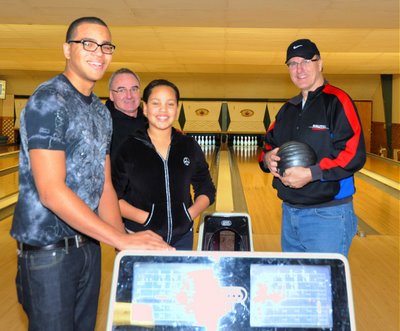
(350,150)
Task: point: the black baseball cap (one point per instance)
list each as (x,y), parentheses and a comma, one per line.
(304,48)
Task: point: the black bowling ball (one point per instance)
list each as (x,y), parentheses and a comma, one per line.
(295,154)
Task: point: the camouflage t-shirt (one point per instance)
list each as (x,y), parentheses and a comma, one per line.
(58,117)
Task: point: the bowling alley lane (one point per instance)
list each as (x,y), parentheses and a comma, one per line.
(374,258)
(8,184)
(8,181)
(384,167)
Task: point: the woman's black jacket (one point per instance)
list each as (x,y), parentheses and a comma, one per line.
(162,187)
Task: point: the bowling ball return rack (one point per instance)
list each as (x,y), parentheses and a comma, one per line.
(225,232)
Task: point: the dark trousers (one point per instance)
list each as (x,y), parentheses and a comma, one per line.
(59,290)
(185,243)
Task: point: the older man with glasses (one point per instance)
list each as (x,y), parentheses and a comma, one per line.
(124,105)
(317,208)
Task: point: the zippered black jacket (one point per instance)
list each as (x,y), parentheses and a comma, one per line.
(162,187)
(330,124)
(123,125)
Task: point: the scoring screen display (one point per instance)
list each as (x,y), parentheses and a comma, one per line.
(231,293)
(176,294)
(290,296)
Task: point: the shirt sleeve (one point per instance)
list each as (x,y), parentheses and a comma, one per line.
(45,120)
(348,154)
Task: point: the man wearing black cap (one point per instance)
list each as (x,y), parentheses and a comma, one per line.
(317,208)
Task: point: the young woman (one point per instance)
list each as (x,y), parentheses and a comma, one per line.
(155,168)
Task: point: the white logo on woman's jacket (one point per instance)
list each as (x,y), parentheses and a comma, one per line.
(186,161)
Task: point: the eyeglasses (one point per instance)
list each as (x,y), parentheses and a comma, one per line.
(124,90)
(304,64)
(91,46)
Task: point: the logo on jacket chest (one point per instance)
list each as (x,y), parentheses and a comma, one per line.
(318,127)
(186,161)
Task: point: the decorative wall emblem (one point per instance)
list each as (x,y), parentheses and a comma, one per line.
(202,112)
(247,112)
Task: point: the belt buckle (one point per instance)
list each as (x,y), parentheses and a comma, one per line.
(78,240)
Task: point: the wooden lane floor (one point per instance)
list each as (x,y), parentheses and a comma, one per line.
(385,167)
(8,182)
(8,189)
(8,149)
(9,162)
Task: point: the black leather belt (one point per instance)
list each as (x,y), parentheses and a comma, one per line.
(68,242)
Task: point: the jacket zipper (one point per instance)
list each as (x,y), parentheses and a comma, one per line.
(168,196)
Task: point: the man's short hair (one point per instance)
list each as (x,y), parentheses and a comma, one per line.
(74,25)
(120,72)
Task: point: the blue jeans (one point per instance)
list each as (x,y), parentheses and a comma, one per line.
(318,230)
(58,290)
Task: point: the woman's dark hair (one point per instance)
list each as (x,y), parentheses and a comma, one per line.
(74,25)
(158,82)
